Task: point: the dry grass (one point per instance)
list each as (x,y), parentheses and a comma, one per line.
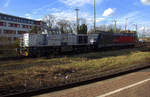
(7,53)
(41,72)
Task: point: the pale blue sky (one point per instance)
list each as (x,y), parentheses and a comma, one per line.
(138,11)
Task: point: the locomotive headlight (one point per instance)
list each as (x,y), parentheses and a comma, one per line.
(92,41)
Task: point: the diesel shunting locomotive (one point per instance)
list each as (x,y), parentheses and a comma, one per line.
(46,44)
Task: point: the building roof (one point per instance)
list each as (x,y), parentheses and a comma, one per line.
(18,17)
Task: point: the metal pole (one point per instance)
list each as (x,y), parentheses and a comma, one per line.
(77,20)
(136,28)
(144,31)
(115,21)
(94,16)
(126,23)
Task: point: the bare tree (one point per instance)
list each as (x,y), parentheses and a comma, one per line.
(110,28)
(106,28)
(34,30)
(50,20)
(102,28)
(55,25)
(65,26)
(82,21)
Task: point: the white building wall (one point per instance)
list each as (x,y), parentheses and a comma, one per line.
(15,29)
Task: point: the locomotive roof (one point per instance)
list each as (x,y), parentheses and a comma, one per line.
(118,34)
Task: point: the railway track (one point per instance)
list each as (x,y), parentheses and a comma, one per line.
(69,83)
(64,54)
(12,58)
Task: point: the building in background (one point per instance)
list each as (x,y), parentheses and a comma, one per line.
(12,27)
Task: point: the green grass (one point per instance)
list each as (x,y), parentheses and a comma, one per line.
(42,72)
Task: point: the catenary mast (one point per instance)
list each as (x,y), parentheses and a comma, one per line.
(94,16)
